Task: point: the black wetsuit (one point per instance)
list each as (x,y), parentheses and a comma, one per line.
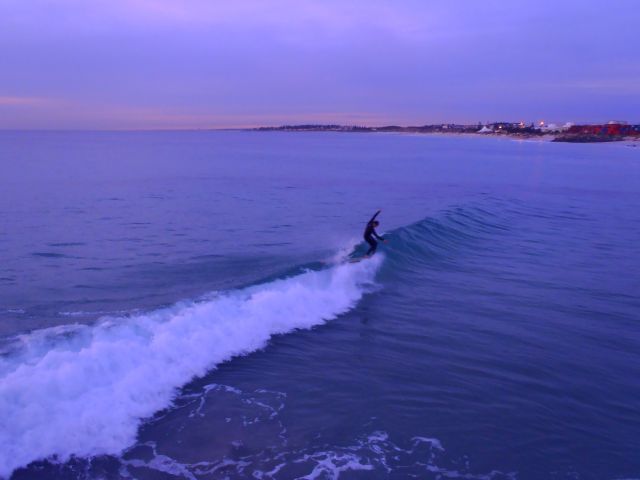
(369,233)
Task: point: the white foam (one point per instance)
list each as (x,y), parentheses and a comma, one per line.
(159,463)
(342,253)
(82,313)
(83,390)
(422,457)
(434,442)
(330,465)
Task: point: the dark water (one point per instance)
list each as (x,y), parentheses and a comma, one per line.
(175,305)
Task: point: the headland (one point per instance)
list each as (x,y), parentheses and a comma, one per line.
(613,131)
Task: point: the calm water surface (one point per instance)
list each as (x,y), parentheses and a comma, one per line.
(177,305)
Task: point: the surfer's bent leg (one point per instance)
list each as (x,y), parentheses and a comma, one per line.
(372,246)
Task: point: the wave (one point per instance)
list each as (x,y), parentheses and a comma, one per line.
(437,241)
(83,390)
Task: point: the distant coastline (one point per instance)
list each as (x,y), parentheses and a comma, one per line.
(591,133)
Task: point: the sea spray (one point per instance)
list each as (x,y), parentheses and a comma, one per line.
(83,390)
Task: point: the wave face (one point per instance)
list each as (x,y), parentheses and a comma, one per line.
(440,242)
(83,390)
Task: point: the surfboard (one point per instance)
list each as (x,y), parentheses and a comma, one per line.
(357,259)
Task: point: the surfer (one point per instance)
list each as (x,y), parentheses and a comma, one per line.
(370,232)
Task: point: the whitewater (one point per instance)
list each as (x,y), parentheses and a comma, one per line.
(83,390)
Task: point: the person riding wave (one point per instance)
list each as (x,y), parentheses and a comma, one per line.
(370,233)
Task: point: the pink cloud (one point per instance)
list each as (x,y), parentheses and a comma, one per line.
(24,101)
(65,113)
(290,19)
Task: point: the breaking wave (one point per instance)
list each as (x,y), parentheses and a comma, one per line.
(83,390)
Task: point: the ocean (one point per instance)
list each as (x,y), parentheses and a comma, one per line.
(180,305)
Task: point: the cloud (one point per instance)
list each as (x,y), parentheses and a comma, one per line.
(609,86)
(72,114)
(199,63)
(287,19)
(25,101)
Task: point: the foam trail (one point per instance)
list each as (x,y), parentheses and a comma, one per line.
(83,390)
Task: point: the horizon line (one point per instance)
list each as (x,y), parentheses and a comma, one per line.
(257,127)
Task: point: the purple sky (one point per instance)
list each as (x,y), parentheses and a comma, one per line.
(207,63)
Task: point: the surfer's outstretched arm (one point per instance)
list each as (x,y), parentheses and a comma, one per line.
(374,217)
(375,234)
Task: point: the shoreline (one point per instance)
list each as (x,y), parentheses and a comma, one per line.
(630,141)
(503,130)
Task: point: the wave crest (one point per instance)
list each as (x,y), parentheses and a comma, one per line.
(83,390)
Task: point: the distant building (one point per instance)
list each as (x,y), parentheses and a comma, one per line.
(550,128)
(506,126)
(611,129)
